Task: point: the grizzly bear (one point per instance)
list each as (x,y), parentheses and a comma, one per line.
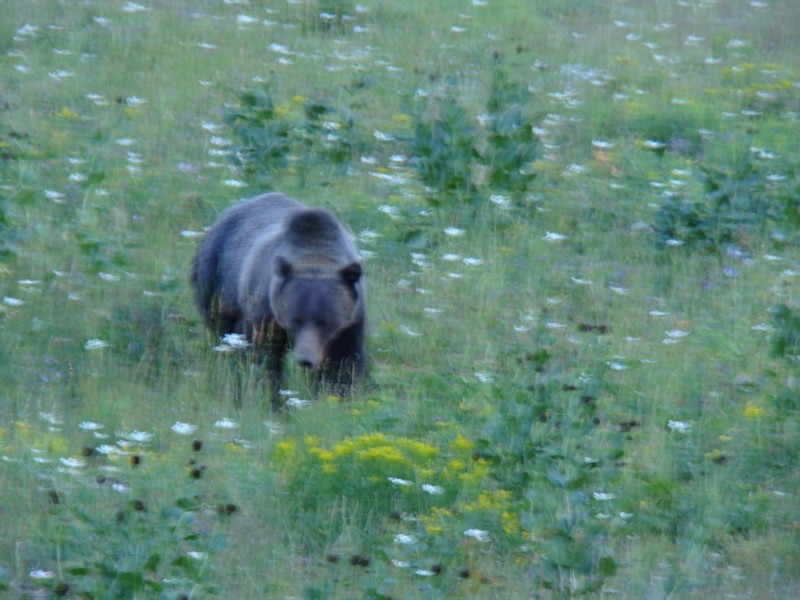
(285,274)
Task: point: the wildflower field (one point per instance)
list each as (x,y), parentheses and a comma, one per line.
(580,223)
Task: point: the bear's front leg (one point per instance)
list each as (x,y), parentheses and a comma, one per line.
(270,339)
(344,364)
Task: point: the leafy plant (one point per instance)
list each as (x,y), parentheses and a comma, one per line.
(294,136)
(734,205)
(138,549)
(442,148)
(464,159)
(510,146)
(529,445)
(785,339)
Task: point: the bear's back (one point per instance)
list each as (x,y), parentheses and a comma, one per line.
(280,226)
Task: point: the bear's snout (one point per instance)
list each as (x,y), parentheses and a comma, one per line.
(308,349)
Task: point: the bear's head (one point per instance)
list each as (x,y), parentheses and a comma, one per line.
(316,305)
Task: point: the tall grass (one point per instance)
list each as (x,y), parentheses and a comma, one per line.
(583,365)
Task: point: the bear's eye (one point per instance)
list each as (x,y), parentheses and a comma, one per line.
(297,322)
(321,323)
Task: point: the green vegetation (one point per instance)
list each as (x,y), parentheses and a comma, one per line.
(580,230)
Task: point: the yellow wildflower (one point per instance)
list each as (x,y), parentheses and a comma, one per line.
(510,523)
(489,500)
(67,113)
(283,109)
(434,529)
(382,453)
(752,411)
(461,444)
(23,430)
(456,465)
(418,450)
(285,450)
(323,455)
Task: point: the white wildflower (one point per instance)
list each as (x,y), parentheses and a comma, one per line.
(602,496)
(400,564)
(679,426)
(454,231)
(737,43)
(235,340)
(298,403)
(404,538)
(89,426)
(132,7)
(226,423)
(95,344)
(554,237)
(408,331)
(54,196)
(140,437)
(478,534)
(392,211)
(234,183)
(677,333)
(274,428)
(398,481)
(183,428)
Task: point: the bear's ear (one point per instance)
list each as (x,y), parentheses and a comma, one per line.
(351,273)
(283,268)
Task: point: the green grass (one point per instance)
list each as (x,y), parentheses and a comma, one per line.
(609,413)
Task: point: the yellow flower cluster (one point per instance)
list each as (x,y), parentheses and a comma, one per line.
(374,451)
(490,500)
(752,410)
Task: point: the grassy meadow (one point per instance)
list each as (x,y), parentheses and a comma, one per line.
(580,228)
